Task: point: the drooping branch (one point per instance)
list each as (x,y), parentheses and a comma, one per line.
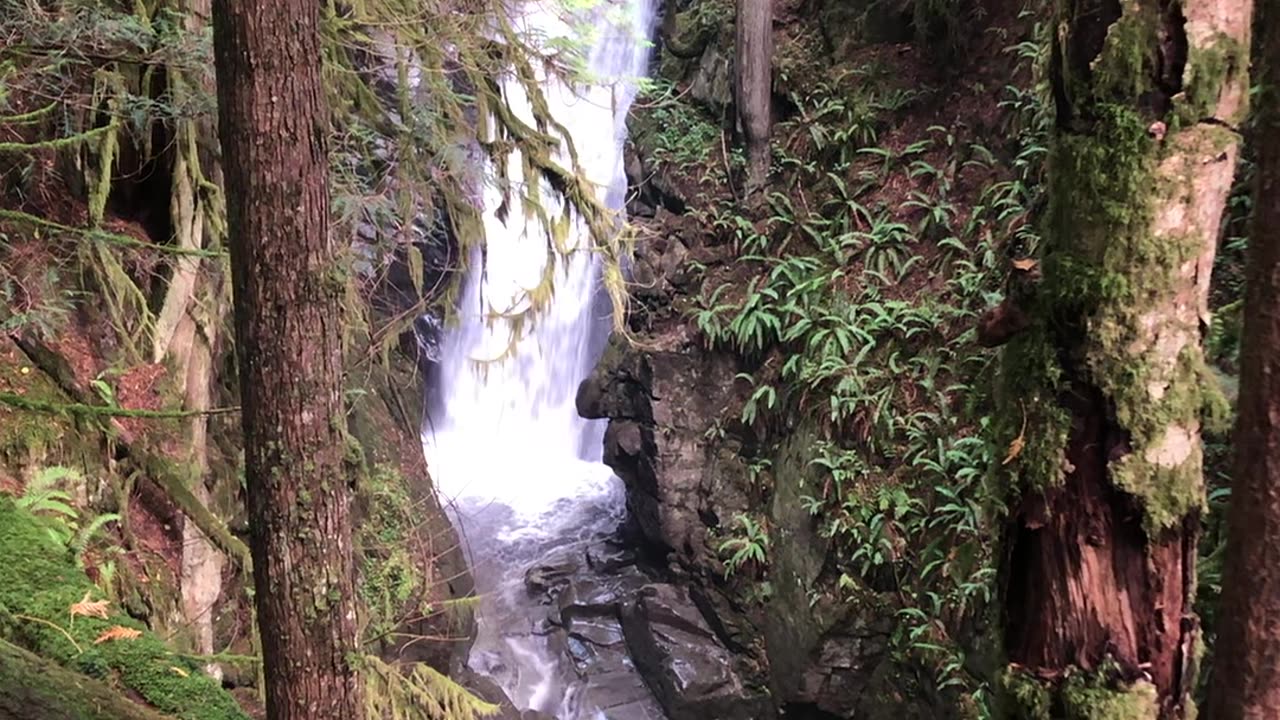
(681,47)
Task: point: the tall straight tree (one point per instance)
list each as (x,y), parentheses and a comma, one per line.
(1246,676)
(1103,393)
(288,282)
(753,84)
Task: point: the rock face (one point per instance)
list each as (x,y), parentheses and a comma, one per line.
(686,480)
(676,440)
(660,405)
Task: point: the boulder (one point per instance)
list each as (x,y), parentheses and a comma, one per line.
(691,673)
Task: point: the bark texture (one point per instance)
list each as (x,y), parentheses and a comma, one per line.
(753,84)
(1108,382)
(288,282)
(1246,676)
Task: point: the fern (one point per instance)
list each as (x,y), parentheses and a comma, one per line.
(86,534)
(44,499)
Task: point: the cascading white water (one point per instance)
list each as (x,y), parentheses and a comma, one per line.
(523,470)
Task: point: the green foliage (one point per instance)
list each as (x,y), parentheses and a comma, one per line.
(39,583)
(680,134)
(392,575)
(748,547)
(417,693)
(52,507)
(852,302)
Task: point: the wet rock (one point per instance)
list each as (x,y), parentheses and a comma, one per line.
(489,691)
(692,674)
(606,558)
(544,579)
(601,632)
(711,83)
(711,648)
(585,618)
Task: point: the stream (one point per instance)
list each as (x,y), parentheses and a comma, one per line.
(522,471)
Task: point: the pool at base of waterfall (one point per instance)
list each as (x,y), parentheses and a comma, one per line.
(552,587)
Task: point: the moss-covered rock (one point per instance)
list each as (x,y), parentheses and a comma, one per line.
(39,584)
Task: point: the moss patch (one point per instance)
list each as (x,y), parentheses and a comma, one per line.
(26,436)
(1083,699)
(39,580)
(1111,280)
(391,576)
(1083,696)
(1033,441)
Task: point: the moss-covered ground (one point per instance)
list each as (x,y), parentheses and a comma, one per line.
(39,584)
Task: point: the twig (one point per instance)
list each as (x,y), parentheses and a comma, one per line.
(105,236)
(55,626)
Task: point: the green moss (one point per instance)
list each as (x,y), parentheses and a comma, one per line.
(390,575)
(1124,67)
(26,434)
(1036,425)
(1100,190)
(1110,281)
(39,580)
(1025,698)
(1209,66)
(1168,492)
(1085,698)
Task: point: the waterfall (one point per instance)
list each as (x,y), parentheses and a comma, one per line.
(523,471)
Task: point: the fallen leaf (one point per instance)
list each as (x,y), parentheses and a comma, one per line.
(1024,264)
(90,608)
(118,632)
(179,671)
(1015,449)
(1020,442)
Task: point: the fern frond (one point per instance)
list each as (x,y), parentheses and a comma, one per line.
(86,534)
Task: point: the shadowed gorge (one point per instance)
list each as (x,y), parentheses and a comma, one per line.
(638,360)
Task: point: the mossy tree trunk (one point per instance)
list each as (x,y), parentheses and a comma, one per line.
(188,324)
(1246,675)
(753,84)
(1103,393)
(289,281)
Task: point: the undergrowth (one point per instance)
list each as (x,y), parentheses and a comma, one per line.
(47,604)
(857,308)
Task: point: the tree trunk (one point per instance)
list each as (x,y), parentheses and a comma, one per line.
(189,321)
(1246,675)
(753,85)
(288,280)
(1103,393)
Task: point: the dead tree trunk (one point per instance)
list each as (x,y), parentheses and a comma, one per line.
(288,280)
(1103,392)
(753,85)
(1246,674)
